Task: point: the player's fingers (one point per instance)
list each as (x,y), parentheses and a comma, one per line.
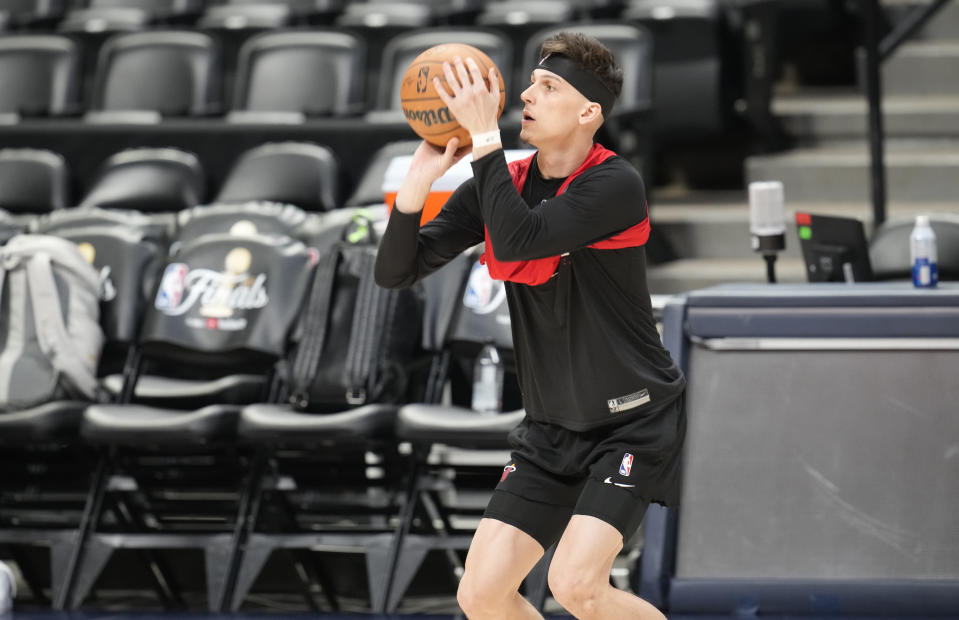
(461,72)
(476,76)
(441,91)
(451,80)
(493,83)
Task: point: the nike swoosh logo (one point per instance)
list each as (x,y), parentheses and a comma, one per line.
(609,480)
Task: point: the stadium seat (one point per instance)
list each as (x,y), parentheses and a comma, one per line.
(157,74)
(403,48)
(48,471)
(299,173)
(46,70)
(369,189)
(301,74)
(163,180)
(519,19)
(157,11)
(236,314)
(889,247)
(33,181)
(331,436)
(687,64)
(469,310)
(377,23)
(32,13)
(308,11)
(239,218)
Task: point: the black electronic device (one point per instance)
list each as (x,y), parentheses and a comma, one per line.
(834,248)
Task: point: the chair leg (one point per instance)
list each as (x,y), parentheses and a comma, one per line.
(407,512)
(88,521)
(249,505)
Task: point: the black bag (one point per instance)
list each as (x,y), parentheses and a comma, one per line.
(357,340)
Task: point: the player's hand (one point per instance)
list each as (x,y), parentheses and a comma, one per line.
(429,163)
(471,101)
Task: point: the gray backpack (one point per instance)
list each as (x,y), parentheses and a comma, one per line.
(50,335)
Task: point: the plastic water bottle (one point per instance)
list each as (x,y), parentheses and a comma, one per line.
(488,381)
(922,254)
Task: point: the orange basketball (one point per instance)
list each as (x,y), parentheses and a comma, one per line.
(425,111)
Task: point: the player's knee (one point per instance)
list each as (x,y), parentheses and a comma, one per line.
(479,597)
(576,592)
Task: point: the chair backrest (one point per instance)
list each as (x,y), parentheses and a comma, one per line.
(126,260)
(299,173)
(317,73)
(148,179)
(403,48)
(378,23)
(46,72)
(889,247)
(631,45)
(246,218)
(482,315)
(30,11)
(156,9)
(33,181)
(228,294)
(687,72)
(369,189)
(174,73)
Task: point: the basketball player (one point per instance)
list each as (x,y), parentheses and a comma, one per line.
(565,229)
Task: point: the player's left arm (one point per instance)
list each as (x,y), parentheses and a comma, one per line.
(603,201)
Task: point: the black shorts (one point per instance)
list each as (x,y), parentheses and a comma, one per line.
(612,473)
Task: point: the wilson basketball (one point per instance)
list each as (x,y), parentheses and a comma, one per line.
(425,111)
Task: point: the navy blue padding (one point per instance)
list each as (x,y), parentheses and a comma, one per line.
(916,599)
(867,310)
(810,310)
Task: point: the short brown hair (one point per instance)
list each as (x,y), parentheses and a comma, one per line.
(589,54)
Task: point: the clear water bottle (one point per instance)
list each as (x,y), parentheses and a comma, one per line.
(922,254)
(488,381)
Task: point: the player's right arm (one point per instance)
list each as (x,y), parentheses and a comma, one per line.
(409,252)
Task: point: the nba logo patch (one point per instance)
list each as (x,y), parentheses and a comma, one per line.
(626,464)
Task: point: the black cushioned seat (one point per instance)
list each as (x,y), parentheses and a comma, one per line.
(136,424)
(456,333)
(46,70)
(51,464)
(149,180)
(281,424)
(49,421)
(164,73)
(455,426)
(298,173)
(225,303)
(33,181)
(300,73)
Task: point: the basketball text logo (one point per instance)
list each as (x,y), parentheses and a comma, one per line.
(429,117)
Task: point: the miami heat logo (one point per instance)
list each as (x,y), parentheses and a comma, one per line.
(507,471)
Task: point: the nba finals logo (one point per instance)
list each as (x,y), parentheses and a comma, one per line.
(218,294)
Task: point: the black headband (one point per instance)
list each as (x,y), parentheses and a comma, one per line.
(585,82)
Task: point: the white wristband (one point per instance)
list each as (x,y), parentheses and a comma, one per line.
(485,139)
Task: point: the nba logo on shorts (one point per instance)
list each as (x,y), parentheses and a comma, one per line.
(626,464)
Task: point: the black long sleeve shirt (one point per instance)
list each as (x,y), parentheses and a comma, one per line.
(587,349)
